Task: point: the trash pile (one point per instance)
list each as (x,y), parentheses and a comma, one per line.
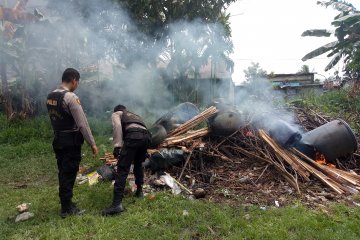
(218,154)
(23,212)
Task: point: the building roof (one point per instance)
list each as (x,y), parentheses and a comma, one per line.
(297,77)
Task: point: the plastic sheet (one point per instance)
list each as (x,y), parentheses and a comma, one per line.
(165,158)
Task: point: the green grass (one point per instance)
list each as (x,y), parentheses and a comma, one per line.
(28,174)
(336,104)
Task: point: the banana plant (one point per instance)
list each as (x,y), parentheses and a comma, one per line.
(347,32)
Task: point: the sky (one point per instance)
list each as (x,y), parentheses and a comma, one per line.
(269,32)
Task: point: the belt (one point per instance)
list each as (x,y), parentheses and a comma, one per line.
(129,130)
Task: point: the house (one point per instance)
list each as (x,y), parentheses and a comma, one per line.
(294,84)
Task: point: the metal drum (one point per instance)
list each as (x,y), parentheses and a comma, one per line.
(171,120)
(158,134)
(178,115)
(225,123)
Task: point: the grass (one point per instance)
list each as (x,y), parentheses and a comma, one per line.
(28,174)
(337,104)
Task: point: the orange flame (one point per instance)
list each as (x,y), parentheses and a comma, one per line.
(320,158)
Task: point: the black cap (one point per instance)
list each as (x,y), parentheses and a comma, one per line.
(119,108)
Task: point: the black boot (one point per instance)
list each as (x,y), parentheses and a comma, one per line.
(68,209)
(113,209)
(139,192)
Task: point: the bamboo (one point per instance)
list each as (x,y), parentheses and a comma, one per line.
(191,135)
(283,154)
(336,174)
(193,122)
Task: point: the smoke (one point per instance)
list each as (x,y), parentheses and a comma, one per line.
(263,108)
(135,70)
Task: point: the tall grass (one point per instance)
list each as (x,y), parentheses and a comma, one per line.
(336,103)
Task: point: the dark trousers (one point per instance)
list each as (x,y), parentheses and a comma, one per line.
(68,161)
(134,150)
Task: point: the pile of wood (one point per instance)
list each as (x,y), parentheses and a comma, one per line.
(233,162)
(184,134)
(206,152)
(338,180)
(109,159)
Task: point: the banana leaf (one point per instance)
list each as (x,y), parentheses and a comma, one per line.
(343,6)
(348,19)
(332,53)
(320,50)
(334,61)
(317,33)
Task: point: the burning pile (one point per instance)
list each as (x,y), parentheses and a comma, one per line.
(249,160)
(206,151)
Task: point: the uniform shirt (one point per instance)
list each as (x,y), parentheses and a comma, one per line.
(118,138)
(71,105)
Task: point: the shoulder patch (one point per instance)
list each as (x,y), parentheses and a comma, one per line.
(78,101)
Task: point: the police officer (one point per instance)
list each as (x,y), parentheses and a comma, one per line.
(131,140)
(70,129)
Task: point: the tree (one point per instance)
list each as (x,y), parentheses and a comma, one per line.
(180,35)
(304,69)
(187,35)
(254,72)
(10,46)
(347,31)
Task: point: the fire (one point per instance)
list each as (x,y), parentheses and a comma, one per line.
(320,158)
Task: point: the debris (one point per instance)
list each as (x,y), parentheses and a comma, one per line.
(164,158)
(151,196)
(248,164)
(171,183)
(81,179)
(109,159)
(24,213)
(93,178)
(106,172)
(199,193)
(83,169)
(24,216)
(185,213)
(24,207)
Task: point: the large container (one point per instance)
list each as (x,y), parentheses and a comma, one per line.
(284,133)
(158,134)
(178,115)
(225,123)
(171,120)
(334,139)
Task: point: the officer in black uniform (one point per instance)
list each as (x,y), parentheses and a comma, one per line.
(70,129)
(131,140)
